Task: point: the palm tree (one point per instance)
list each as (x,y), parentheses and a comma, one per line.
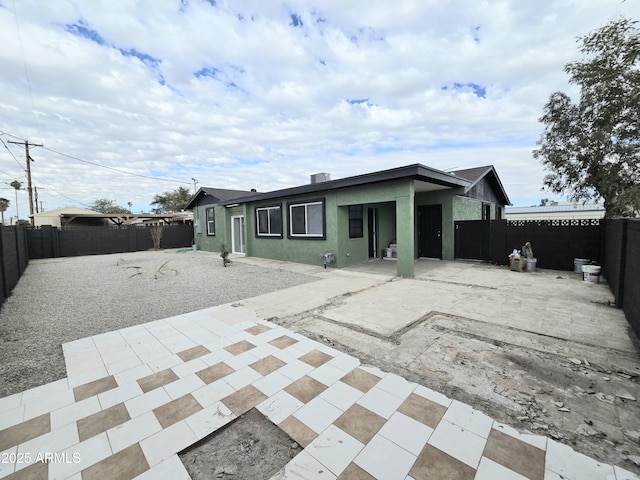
(17,185)
(4,204)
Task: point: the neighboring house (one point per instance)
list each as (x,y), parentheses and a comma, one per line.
(76,217)
(411,208)
(557,211)
(61,217)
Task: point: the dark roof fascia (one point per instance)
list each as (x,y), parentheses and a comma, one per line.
(214,192)
(490,169)
(416,172)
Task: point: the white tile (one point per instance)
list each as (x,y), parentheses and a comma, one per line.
(209,394)
(537,441)
(432,395)
(272,383)
(568,463)
(344,362)
(119,394)
(216,356)
(396,385)
(183,386)
(242,377)
(406,432)
(327,374)
(303,346)
(11,402)
(34,395)
(380,402)
(318,414)
(490,470)
(164,362)
(334,449)
(132,374)
(382,458)
(238,362)
(341,395)
(146,402)
(461,444)
(89,372)
(160,446)
(9,418)
(123,365)
(264,350)
(295,369)
(263,339)
(133,431)
(279,406)
(171,468)
(48,403)
(7,468)
(177,345)
(373,370)
(87,453)
(51,442)
(468,418)
(549,475)
(304,467)
(78,346)
(622,474)
(239,336)
(209,419)
(74,412)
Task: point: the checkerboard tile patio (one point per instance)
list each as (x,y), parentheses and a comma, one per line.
(135,398)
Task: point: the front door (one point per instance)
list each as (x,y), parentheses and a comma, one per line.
(430,231)
(373,232)
(237,234)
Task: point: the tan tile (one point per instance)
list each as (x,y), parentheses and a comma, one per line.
(102,421)
(283,342)
(515,454)
(434,464)
(244,399)
(177,410)
(358,378)
(124,465)
(298,431)
(20,433)
(354,472)
(257,329)
(305,389)
(37,471)
(240,347)
(191,353)
(359,422)
(423,410)
(156,380)
(267,365)
(316,358)
(214,372)
(94,388)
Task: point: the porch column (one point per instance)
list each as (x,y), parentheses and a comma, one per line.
(405,232)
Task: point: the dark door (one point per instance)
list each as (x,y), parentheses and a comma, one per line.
(430,231)
(373,232)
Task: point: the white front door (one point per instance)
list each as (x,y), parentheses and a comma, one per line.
(237,234)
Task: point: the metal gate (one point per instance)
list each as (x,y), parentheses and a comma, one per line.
(473,240)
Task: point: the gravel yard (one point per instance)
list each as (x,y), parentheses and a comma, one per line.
(63,299)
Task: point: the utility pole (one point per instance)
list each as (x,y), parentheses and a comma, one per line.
(35,189)
(29,160)
(195,182)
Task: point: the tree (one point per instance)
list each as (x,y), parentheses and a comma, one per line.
(104,205)
(592,148)
(171,201)
(4,204)
(17,185)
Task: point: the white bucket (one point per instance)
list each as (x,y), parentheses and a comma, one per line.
(531,264)
(388,253)
(578,263)
(591,273)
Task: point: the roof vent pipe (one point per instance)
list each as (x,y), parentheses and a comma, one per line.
(320,177)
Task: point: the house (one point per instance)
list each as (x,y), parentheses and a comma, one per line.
(76,217)
(558,211)
(61,217)
(408,210)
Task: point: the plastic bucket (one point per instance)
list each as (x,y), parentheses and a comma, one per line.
(578,263)
(531,264)
(591,273)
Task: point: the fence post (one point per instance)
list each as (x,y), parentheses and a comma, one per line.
(623,262)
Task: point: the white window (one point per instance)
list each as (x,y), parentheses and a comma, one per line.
(269,221)
(211,221)
(306,219)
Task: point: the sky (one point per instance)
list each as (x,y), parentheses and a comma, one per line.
(130,99)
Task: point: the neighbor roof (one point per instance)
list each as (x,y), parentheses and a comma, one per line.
(578,207)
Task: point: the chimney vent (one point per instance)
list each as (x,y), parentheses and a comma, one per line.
(320,177)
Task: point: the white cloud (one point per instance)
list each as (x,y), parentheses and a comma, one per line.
(287,89)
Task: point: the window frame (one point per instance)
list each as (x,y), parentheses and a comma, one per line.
(357,221)
(210,220)
(306,204)
(271,234)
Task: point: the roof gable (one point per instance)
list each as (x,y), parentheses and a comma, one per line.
(218,194)
(475,175)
